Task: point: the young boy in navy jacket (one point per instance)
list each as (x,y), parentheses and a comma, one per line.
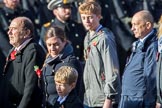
(65,80)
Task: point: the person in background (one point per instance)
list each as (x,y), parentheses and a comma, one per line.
(139,78)
(65,80)
(159,66)
(74,31)
(157,10)
(40,12)
(60,53)
(19,87)
(153,6)
(101,73)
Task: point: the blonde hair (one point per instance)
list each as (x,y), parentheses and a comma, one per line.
(66,74)
(90,8)
(160,27)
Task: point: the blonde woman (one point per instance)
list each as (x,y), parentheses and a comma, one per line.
(159,65)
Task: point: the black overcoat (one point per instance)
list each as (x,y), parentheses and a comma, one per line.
(19,83)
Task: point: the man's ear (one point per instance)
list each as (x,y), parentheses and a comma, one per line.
(148,24)
(99,17)
(27,33)
(73,85)
(55,12)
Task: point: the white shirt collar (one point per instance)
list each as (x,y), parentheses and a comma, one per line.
(61,100)
(23,45)
(142,40)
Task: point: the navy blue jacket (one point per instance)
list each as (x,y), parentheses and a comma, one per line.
(65,58)
(139,78)
(72,101)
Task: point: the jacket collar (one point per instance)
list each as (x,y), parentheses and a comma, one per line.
(68,50)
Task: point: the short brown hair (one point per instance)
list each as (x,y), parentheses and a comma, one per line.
(55,31)
(66,74)
(90,7)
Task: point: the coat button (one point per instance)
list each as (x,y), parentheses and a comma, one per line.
(73,25)
(46,95)
(106,5)
(77,46)
(77,58)
(7,14)
(76,35)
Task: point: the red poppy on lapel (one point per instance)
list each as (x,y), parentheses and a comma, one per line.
(102,76)
(38,71)
(95,41)
(13,55)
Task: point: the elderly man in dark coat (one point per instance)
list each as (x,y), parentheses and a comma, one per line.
(19,87)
